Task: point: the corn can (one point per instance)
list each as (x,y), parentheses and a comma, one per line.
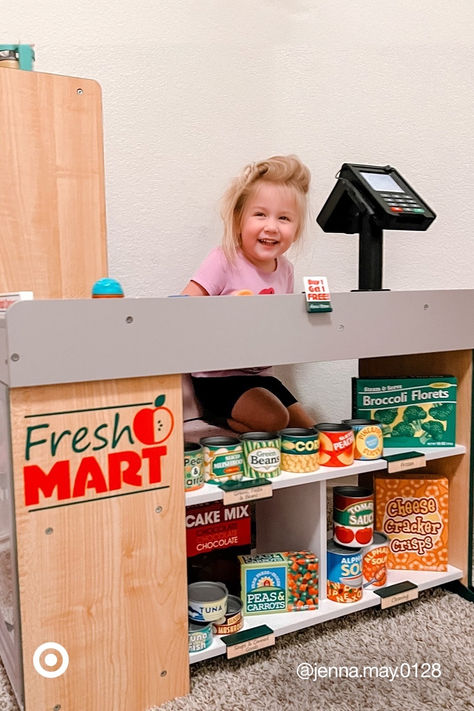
(344,573)
(299,450)
(353,516)
(336,444)
(222,459)
(261,454)
(368,438)
(193,475)
(374,561)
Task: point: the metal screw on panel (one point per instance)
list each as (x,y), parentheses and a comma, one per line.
(57,707)
(164,672)
(79,91)
(15,357)
(159,509)
(426,306)
(129,319)
(340,327)
(49,531)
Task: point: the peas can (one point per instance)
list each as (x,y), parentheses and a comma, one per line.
(336,444)
(261,454)
(193,476)
(353,516)
(344,573)
(374,561)
(299,450)
(222,459)
(368,438)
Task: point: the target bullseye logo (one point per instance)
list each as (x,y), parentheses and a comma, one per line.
(50,660)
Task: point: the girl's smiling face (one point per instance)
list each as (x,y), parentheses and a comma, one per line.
(269,224)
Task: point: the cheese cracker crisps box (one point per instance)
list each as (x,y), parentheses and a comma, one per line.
(412,510)
(413,411)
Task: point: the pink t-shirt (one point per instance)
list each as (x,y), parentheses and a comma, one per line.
(220,277)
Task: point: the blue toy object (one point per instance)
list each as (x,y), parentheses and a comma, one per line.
(104,288)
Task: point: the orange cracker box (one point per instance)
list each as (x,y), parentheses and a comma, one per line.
(412,510)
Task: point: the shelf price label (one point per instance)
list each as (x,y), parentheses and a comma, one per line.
(248,641)
(317,294)
(392,595)
(404,462)
(237,492)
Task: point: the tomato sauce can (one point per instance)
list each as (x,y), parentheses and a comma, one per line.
(261,454)
(368,438)
(353,516)
(344,573)
(299,450)
(233,620)
(336,444)
(374,561)
(222,459)
(193,475)
(199,636)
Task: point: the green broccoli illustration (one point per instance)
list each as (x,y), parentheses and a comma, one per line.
(403,429)
(386,417)
(413,415)
(433,431)
(441,411)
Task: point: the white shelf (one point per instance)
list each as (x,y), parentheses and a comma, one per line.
(286,622)
(211,492)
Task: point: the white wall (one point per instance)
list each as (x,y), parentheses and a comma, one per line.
(193,90)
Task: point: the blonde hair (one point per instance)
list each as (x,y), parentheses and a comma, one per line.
(281,170)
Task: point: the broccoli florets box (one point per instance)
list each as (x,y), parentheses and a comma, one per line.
(413,411)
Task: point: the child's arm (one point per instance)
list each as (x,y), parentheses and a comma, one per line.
(194,289)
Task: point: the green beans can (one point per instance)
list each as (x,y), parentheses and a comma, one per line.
(193,474)
(261,454)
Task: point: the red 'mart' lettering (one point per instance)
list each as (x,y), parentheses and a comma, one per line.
(128,473)
(154,454)
(89,476)
(36,480)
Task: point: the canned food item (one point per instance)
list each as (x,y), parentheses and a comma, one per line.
(374,561)
(336,444)
(353,516)
(193,476)
(368,438)
(199,636)
(233,620)
(344,573)
(261,454)
(222,459)
(299,450)
(207,601)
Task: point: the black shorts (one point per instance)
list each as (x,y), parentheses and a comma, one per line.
(219,395)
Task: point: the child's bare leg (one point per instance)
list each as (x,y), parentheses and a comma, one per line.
(299,417)
(258,410)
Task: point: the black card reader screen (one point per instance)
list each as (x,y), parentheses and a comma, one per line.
(382,182)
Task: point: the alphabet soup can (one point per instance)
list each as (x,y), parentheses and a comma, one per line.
(261,454)
(353,516)
(193,476)
(374,561)
(299,450)
(368,438)
(344,573)
(336,444)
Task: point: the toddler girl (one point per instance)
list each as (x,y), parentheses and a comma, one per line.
(264,213)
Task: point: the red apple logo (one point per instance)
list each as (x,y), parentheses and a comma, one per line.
(153,425)
(343,535)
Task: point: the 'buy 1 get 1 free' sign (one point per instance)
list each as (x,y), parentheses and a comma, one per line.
(213,526)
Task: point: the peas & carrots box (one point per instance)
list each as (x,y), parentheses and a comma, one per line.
(279,582)
(413,411)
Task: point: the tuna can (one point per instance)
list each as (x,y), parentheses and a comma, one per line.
(353,516)
(261,454)
(336,444)
(222,459)
(233,620)
(368,438)
(199,636)
(374,561)
(193,476)
(207,601)
(344,573)
(299,450)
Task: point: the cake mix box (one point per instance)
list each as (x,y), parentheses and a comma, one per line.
(412,511)
(279,582)
(413,411)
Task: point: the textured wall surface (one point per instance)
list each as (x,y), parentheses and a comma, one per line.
(194,89)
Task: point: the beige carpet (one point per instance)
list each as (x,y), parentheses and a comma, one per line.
(435,629)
